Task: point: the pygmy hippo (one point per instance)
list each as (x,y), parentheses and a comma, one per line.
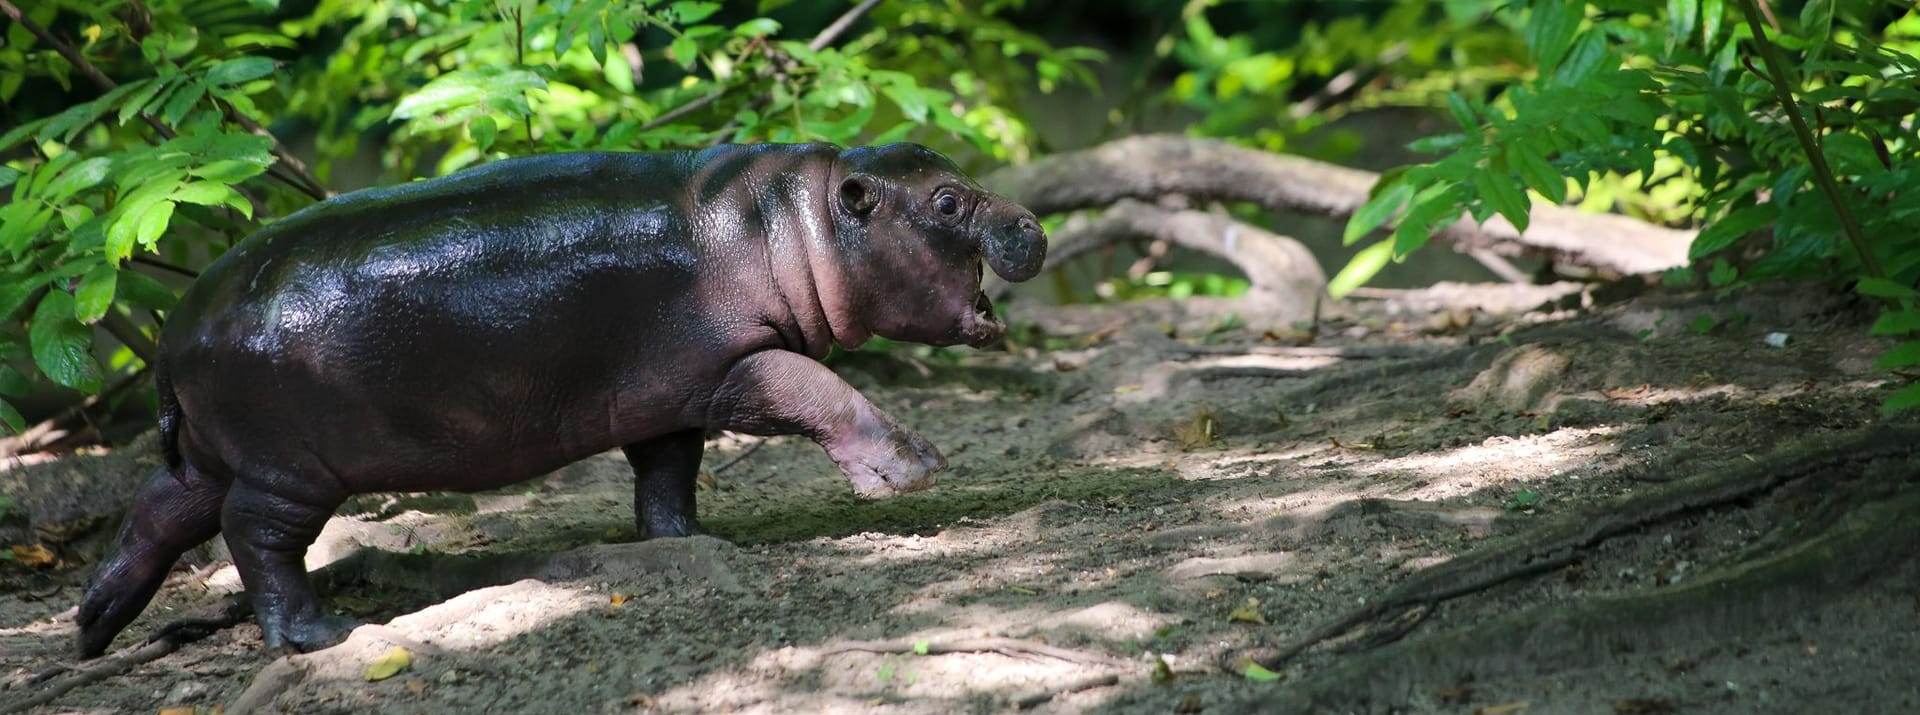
(473,331)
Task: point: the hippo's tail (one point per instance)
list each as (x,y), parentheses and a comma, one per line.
(169,418)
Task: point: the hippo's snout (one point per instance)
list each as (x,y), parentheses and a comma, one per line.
(1017,249)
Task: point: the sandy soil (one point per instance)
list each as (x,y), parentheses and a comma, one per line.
(1126,514)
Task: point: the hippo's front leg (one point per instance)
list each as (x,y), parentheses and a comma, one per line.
(778,392)
(665,470)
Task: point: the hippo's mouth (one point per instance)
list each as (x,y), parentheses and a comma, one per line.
(981,327)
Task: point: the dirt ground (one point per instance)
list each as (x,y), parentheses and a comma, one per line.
(1128,516)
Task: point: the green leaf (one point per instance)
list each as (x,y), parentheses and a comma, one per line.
(95,294)
(1905,398)
(1461,112)
(153,222)
(1682,17)
(139,98)
(1500,191)
(142,290)
(204,193)
(1732,227)
(14,383)
(1258,674)
(1550,31)
(1588,57)
(757,27)
(1896,322)
(12,417)
(687,13)
(1722,274)
(62,347)
(1377,211)
(1884,288)
(1538,173)
(1711,13)
(1365,265)
(77,178)
(491,86)
(21,222)
(1906,354)
(483,131)
(684,51)
(239,69)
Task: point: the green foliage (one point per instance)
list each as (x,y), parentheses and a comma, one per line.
(120,188)
(1253,85)
(1172,284)
(1776,143)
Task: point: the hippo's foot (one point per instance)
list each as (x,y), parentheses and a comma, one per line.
(113,600)
(904,462)
(305,634)
(657,527)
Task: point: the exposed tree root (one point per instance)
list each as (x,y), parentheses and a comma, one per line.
(1562,542)
(1010,647)
(1874,537)
(199,624)
(1283,275)
(1869,534)
(1150,167)
(1087,683)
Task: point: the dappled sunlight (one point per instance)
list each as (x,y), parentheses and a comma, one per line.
(837,677)
(1433,475)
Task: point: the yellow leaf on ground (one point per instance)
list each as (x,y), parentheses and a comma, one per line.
(389,664)
(1248,612)
(32,555)
(1503,708)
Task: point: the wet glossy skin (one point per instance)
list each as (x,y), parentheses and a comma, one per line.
(474,331)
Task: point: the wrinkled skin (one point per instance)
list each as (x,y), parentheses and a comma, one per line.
(474,331)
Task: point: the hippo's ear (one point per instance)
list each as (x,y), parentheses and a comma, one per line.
(859,193)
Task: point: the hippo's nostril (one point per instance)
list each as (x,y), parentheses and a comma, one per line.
(1026,224)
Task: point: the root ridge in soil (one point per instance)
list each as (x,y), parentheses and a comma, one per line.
(1866,530)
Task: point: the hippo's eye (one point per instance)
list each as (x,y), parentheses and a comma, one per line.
(947,204)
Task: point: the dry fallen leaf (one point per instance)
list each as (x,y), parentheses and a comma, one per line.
(1197,431)
(389,664)
(617,600)
(32,555)
(176,711)
(1503,708)
(1248,612)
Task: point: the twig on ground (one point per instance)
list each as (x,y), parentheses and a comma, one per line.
(167,640)
(742,455)
(1087,683)
(1010,647)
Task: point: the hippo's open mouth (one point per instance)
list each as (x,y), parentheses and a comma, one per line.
(981,327)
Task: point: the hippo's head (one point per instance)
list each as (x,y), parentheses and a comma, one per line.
(912,230)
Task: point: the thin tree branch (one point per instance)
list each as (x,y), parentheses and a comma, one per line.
(146,260)
(1822,174)
(305,181)
(839,26)
(820,42)
(129,335)
(106,83)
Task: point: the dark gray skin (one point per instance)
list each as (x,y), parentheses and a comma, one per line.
(473,331)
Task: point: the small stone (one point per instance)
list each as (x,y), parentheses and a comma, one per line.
(450,677)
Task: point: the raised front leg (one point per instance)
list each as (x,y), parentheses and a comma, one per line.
(778,392)
(664,472)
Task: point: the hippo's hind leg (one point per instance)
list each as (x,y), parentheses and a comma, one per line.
(170,515)
(665,470)
(268,530)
